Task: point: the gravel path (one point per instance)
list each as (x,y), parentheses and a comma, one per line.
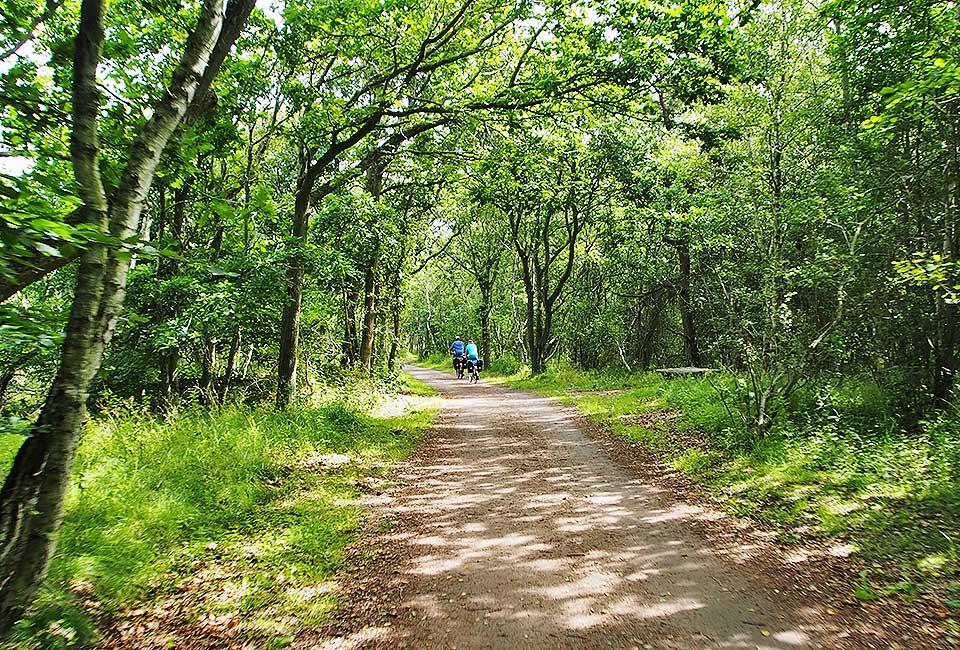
(528,535)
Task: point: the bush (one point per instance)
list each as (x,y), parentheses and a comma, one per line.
(505,365)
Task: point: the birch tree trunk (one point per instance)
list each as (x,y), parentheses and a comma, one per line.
(31,501)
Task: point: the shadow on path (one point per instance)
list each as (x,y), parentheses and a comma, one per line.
(530,536)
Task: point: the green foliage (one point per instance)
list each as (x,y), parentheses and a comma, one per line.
(768,193)
(933,272)
(153,499)
(506,364)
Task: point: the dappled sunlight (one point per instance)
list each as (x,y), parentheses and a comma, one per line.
(529,533)
(842,550)
(356,640)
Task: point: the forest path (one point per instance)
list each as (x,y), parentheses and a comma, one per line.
(517,531)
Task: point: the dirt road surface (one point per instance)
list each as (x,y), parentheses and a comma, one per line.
(522,533)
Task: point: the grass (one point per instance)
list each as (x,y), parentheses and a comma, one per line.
(838,466)
(251,509)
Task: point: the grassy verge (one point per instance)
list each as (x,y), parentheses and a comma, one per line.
(246,510)
(837,467)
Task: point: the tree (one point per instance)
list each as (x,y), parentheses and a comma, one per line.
(481,248)
(31,502)
(548,193)
(442,66)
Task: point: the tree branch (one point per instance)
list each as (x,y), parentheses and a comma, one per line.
(52,7)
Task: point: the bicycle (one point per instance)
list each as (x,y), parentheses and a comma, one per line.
(458,364)
(474,367)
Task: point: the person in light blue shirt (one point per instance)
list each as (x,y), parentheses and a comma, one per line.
(472,352)
(473,361)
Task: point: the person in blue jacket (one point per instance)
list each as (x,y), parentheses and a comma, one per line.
(458,352)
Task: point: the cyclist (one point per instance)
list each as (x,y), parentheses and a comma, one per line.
(472,351)
(473,360)
(458,352)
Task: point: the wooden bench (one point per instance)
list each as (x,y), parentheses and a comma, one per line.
(670,373)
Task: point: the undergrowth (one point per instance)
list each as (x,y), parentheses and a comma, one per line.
(263,496)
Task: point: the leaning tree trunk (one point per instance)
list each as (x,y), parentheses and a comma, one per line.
(32,497)
(31,502)
(237,13)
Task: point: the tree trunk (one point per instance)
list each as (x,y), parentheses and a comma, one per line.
(231,365)
(485,309)
(208,371)
(289,337)
(292,307)
(370,288)
(650,334)
(535,360)
(290,322)
(168,372)
(395,339)
(350,345)
(167,266)
(690,348)
(246,362)
(31,501)
(5,382)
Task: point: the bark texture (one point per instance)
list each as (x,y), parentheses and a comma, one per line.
(28,271)
(691,347)
(31,501)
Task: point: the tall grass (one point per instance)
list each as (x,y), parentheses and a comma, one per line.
(153,498)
